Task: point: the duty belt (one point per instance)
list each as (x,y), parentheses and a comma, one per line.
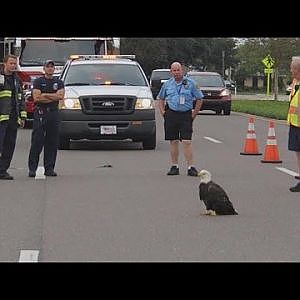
(45,108)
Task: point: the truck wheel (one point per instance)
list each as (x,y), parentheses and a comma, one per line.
(64,144)
(227,111)
(150,143)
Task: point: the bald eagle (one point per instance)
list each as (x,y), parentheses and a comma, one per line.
(214,197)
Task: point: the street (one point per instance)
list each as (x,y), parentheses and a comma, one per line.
(132,211)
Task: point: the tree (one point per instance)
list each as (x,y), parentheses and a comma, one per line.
(202,53)
(251,53)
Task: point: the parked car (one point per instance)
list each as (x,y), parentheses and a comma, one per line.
(216,96)
(107,97)
(288,89)
(158,77)
(27,88)
(230,85)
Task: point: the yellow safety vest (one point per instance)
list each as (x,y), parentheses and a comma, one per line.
(293,117)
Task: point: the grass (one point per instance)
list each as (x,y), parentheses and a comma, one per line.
(265,108)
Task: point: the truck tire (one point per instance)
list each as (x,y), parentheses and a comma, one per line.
(150,143)
(227,109)
(64,144)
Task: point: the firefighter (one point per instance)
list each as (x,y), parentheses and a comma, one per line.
(12,112)
(47,91)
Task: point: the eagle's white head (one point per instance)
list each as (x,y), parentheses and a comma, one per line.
(205,176)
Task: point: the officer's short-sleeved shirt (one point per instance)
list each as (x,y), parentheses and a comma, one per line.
(47,85)
(174,92)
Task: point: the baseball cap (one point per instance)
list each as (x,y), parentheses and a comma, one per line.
(48,62)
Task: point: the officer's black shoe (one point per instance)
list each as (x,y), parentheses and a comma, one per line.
(173,171)
(192,172)
(50,173)
(295,188)
(6,176)
(31,174)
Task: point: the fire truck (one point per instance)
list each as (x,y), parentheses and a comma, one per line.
(32,52)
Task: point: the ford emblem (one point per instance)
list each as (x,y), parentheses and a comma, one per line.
(108,104)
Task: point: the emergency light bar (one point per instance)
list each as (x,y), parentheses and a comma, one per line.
(88,57)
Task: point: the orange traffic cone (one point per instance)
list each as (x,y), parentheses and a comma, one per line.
(271,150)
(250,147)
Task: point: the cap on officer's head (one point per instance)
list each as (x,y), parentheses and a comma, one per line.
(49,62)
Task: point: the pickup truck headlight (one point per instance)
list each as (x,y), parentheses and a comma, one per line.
(70,103)
(144,103)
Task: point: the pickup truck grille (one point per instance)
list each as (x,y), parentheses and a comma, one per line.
(107,104)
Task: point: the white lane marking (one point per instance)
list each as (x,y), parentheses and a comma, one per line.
(212,140)
(287,171)
(40,173)
(29,256)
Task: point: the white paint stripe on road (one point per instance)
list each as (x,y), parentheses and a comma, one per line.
(29,256)
(212,140)
(287,171)
(40,173)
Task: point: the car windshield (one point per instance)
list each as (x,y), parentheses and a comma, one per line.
(208,80)
(35,52)
(158,75)
(103,74)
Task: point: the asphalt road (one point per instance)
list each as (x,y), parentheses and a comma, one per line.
(132,211)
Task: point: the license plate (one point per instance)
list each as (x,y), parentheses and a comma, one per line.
(108,129)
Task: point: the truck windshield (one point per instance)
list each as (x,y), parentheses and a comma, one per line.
(35,52)
(101,74)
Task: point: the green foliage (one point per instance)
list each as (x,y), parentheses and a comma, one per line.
(154,53)
(265,108)
(251,53)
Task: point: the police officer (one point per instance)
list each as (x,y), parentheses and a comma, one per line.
(176,99)
(47,91)
(12,112)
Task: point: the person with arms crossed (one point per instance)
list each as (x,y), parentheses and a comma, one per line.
(47,92)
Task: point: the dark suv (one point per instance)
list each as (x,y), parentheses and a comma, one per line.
(158,77)
(216,96)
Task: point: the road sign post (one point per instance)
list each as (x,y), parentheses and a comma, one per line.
(268,61)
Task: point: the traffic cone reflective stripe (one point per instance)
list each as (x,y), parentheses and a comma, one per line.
(271,154)
(251,147)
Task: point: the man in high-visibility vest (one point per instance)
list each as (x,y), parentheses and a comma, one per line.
(293,117)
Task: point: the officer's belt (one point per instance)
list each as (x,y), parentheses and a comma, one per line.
(180,112)
(46,108)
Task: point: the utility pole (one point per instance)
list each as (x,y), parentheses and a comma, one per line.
(223,63)
(276,83)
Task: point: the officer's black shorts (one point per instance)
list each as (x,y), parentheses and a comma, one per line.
(294,138)
(178,125)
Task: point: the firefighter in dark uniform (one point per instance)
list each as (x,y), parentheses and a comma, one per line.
(47,92)
(12,112)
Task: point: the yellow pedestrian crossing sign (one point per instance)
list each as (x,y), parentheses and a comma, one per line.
(268,61)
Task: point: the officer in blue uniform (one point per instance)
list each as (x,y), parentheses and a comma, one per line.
(47,91)
(176,99)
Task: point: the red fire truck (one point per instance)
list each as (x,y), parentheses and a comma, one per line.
(34,51)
